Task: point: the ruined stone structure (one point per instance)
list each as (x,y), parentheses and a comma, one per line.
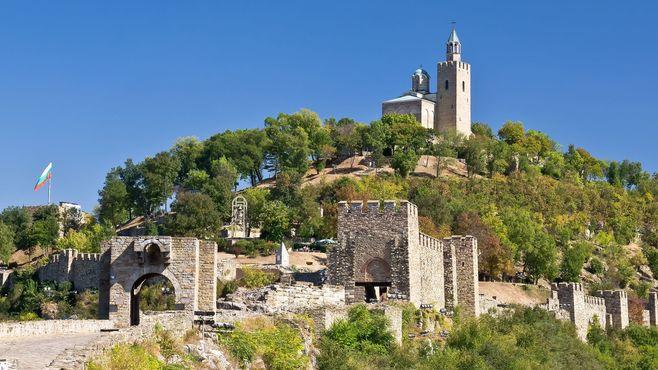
(126,262)
(449,108)
(609,308)
(651,312)
(382,255)
(81,269)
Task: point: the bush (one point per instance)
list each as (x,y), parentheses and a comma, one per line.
(278,344)
(127,357)
(596,266)
(226,287)
(253,278)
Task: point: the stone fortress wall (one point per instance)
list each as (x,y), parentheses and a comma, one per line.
(81,269)
(609,307)
(380,244)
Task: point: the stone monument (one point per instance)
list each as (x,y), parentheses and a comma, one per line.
(239,225)
(282,256)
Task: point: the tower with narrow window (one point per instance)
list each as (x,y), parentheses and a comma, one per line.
(453,92)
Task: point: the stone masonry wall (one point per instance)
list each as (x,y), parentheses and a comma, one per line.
(47,327)
(375,232)
(207,273)
(652,307)
(420,269)
(125,270)
(304,296)
(450,275)
(581,307)
(466,253)
(616,305)
(431,270)
(81,269)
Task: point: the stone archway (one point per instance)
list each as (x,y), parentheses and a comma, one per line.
(126,262)
(136,290)
(375,278)
(376,270)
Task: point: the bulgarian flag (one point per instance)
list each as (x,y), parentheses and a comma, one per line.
(45,176)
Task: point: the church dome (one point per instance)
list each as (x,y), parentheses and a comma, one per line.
(420,81)
(421,71)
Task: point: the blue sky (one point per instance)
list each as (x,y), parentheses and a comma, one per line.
(87,84)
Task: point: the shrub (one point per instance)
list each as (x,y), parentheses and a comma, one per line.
(363,331)
(226,287)
(127,357)
(596,266)
(278,344)
(253,278)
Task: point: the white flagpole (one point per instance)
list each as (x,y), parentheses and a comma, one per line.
(50,181)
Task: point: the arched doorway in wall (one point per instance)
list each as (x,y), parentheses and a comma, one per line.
(376,279)
(151,292)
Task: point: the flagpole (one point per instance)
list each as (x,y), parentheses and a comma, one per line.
(50,181)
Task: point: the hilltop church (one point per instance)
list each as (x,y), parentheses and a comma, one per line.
(449,108)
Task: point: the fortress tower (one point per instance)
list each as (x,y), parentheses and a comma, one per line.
(453,91)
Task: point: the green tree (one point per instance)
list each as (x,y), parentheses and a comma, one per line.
(194,215)
(7,246)
(19,221)
(404,162)
(512,132)
(256,199)
(159,173)
(45,226)
(187,151)
(133,179)
(113,199)
(276,220)
(573,259)
(220,185)
(290,146)
(482,129)
(474,154)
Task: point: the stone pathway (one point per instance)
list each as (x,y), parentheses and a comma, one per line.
(38,351)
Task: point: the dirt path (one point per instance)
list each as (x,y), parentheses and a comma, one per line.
(37,352)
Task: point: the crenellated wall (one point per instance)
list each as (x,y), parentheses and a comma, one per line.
(616,305)
(610,309)
(81,269)
(379,244)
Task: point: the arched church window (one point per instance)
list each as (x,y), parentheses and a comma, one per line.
(446,84)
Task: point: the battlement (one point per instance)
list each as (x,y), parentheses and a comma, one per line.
(612,294)
(597,301)
(88,257)
(375,207)
(427,241)
(450,63)
(576,287)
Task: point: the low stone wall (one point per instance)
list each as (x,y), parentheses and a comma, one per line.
(178,322)
(45,327)
(302,296)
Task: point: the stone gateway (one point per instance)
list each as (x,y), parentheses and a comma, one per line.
(127,262)
(382,255)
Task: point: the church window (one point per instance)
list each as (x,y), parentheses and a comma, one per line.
(446,84)
(463,85)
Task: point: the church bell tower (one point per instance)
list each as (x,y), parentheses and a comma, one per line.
(453,113)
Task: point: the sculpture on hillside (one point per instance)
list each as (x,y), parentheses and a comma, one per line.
(239,225)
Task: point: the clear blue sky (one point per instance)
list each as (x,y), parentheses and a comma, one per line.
(87,84)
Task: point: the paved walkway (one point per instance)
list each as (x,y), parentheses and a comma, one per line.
(38,351)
